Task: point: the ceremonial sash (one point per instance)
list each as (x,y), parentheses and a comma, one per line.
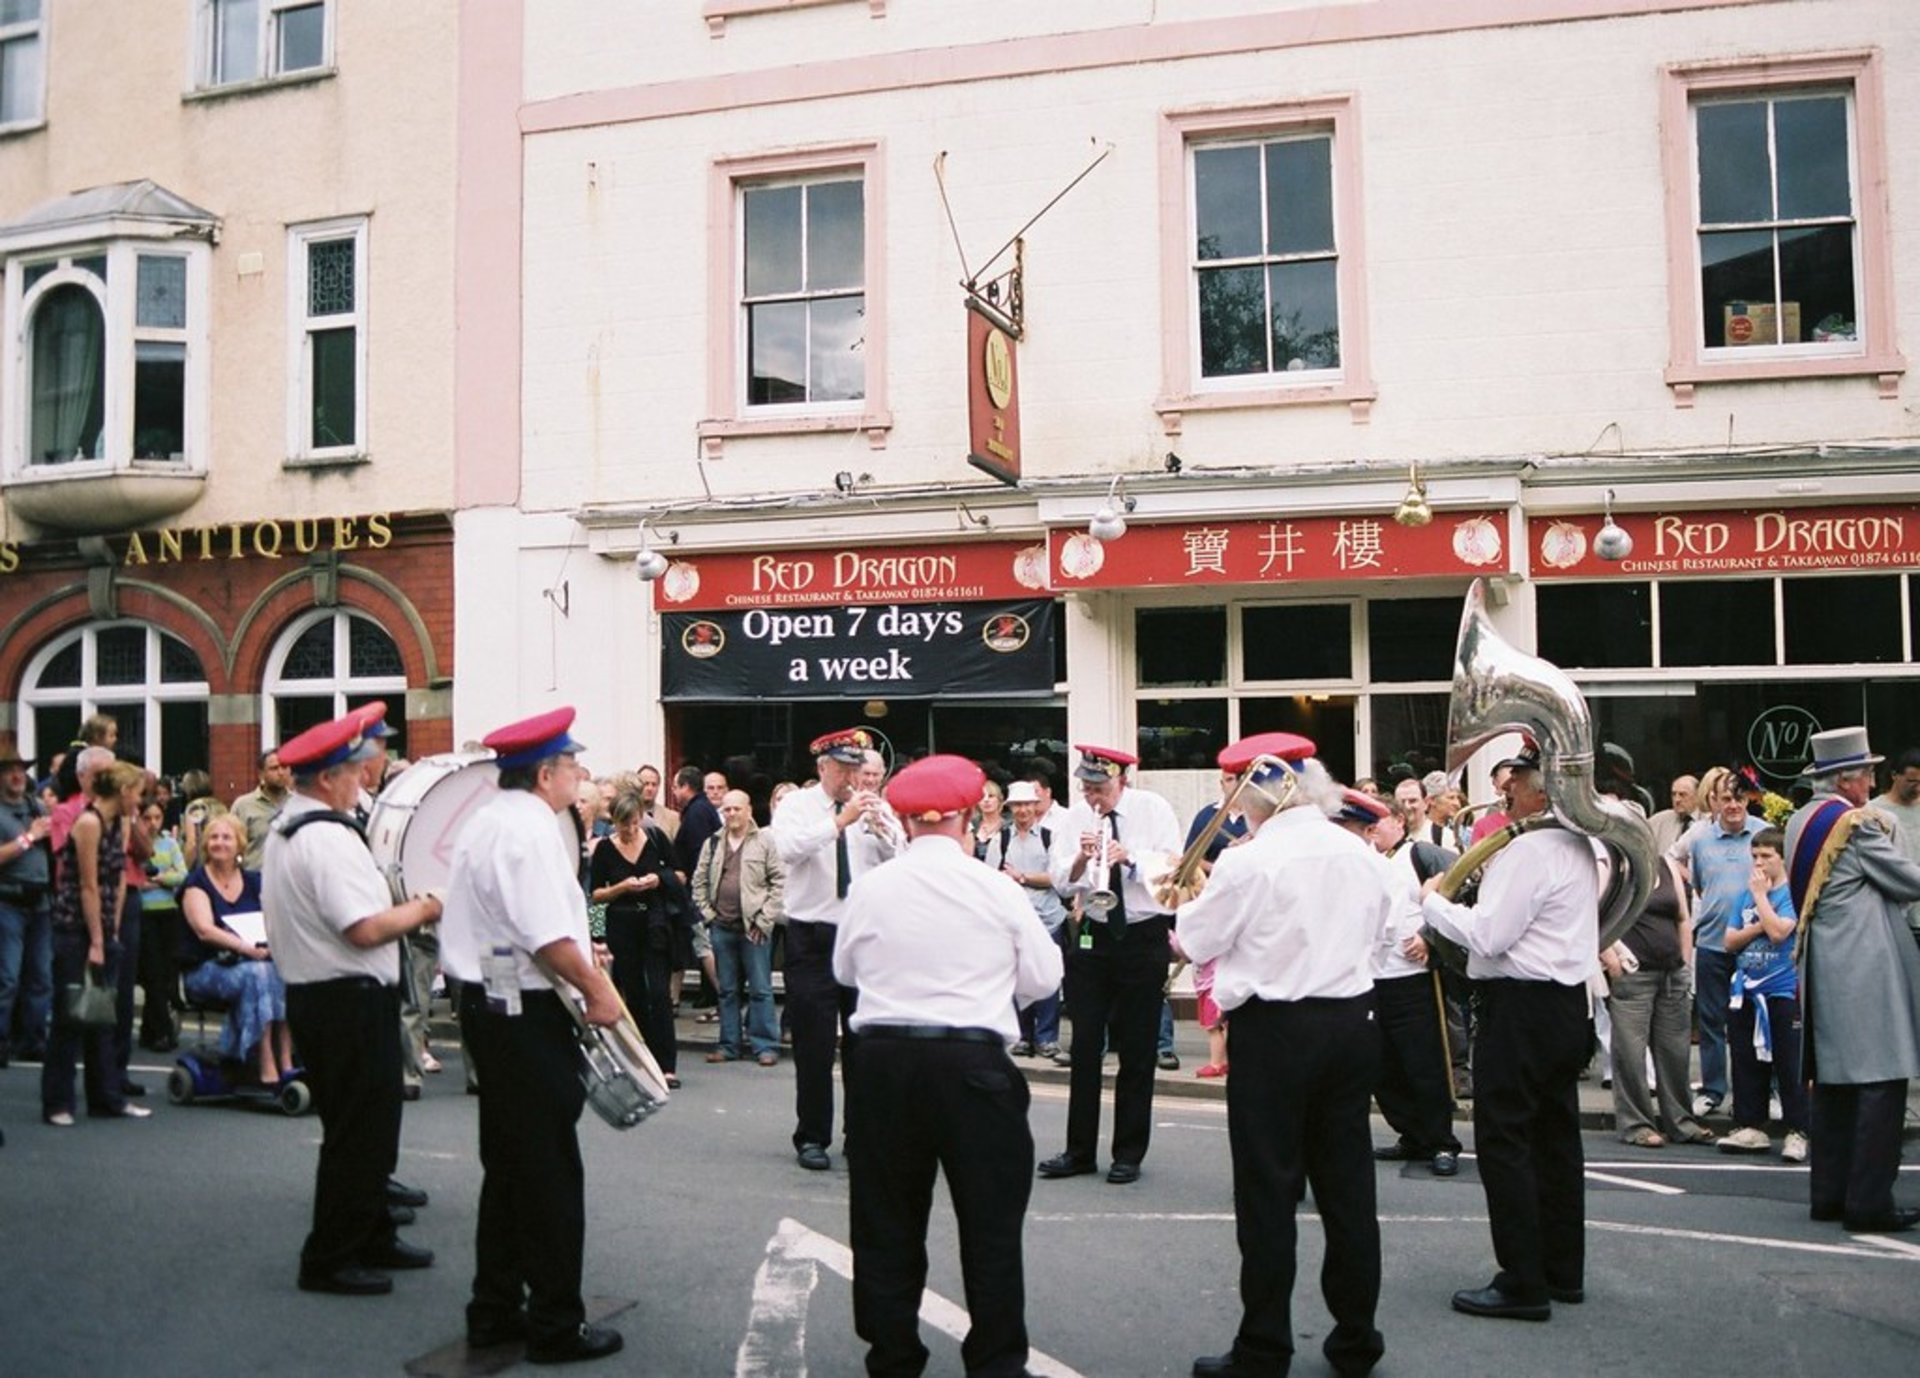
(1815,851)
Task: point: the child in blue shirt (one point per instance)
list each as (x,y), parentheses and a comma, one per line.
(1763,1010)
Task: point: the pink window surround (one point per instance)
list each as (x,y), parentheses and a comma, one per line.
(1181,388)
(718,12)
(1690,364)
(727,412)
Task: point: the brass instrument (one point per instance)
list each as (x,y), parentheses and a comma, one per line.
(1177,879)
(1101,899)
(1497,689)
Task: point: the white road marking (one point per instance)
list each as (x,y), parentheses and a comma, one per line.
(1745,1240)
(775,1343)
(1657,1188)
(1898,1246)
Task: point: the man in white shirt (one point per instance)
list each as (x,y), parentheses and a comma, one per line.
(1117,965)
(942,950)
(1532,940)
(514,903)
(1023,852)
(331,923)
(1293,918)
(825,839)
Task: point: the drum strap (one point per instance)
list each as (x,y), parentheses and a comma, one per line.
(289,826)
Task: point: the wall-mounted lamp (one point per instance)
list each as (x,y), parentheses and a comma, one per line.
(1612,542)
(846,481)
(1110,522)
(970,518)
(1413,509)
(649,563)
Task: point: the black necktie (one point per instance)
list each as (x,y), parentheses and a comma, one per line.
(1116,880)
(842,867)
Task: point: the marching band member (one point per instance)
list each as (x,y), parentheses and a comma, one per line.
(1117,965)
(813,832)
(942,950)
(514,900)
(1292,918)
(1532,940)
(331,923)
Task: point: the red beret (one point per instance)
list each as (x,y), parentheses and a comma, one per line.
(533,739)
(373,720)
(337,743)
(936,787)
(1099,763)
(849,746)
(1356,807)
(1288,746)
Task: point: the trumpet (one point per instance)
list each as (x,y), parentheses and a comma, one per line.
(1101,899)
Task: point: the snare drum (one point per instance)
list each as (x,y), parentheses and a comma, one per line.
(417,820)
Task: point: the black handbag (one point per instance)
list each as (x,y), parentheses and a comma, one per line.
(85,1005)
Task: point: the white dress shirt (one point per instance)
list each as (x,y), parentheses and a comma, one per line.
(1406,919)
(1146,825)
(1538,913)
(513,885)
(803,833)
(934,937)
(1296,912)
(314,886)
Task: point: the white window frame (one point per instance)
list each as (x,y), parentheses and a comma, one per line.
(118,303)
(301,327)
(744,304)
(90,694)
(34,30)
(341,684)
(267,52)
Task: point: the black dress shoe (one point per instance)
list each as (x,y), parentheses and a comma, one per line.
(1825,1213)
(1395,1153)
(508,1329)
(1227,1366)
(1901,1218)
(1066,1165)
(400,1194)
(1491,1301)
(398,1254)
(409,1093)
(1569,1296)
(1123,1174)
(348,1282)
(590,1342)
(400,1215)
(132,1088)
(1446,1164)
(813,1158)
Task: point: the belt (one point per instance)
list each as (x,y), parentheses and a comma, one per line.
(936,1033)
(344,983)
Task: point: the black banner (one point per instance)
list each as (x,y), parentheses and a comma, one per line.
(885,650)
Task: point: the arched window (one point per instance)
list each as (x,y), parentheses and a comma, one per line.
(326,662)
(68,330)
(149,681)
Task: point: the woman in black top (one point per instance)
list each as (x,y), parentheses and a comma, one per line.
(631,872)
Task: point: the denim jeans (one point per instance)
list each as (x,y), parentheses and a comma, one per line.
(1712,978)
(26,975)
(733,954)
(1040,1021)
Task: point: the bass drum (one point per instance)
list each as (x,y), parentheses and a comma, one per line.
(416,821)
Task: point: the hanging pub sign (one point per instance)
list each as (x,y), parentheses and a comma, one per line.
(993,399)
(949,572)
(1279,550)
(1759,540)
(867,650)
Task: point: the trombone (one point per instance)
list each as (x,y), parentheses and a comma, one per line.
(1176,879)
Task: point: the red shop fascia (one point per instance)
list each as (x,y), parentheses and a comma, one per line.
(229,591)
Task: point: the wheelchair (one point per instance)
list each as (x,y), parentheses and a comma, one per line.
(203,1074)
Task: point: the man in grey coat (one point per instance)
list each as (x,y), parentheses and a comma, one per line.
(1860,984)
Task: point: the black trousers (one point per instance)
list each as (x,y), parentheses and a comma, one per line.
(960,1108)
(642,973)
(1856,1148)
(818,1008)
(127,979)
(533,1214)
(1113,992)
(1533,1041)
(159,972)
(1415,1086)
(1296,1114)
(348,1032)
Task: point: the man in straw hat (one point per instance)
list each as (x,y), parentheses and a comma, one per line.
(1860,984)
(26,877)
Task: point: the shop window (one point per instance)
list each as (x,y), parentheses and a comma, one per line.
(1297,641)
(1596,626)
(1409,731)
(1717,622)
(1412,639)
(1819,633)
(1777,221)
(22,63)
(1326,720)
(1180,647)
(1181,734)
(327,405)
(798,293)
(149,681)
(256,40)
(327,662)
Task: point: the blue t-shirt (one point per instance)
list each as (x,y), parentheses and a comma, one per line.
(1763,959)
(1719,863)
